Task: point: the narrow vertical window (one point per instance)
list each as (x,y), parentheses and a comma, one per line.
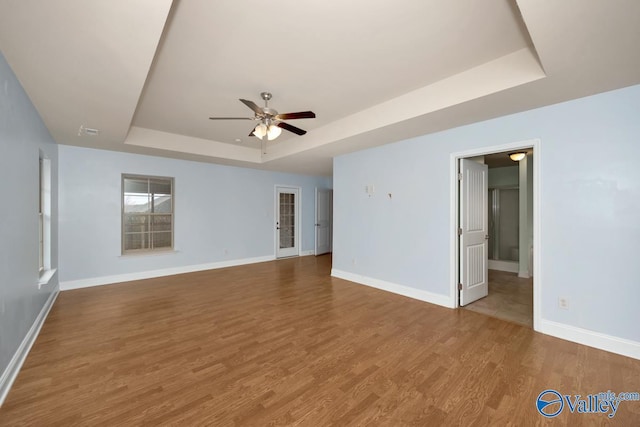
(41,216)
(44,219)
(147,213)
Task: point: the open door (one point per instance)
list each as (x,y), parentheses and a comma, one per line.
(323,221)
(474,231)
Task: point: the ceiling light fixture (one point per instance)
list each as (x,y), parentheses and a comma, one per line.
(271,131)
(260,131)
(516,157)
(88,131)
(270,123)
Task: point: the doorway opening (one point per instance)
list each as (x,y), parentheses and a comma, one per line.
(495,211)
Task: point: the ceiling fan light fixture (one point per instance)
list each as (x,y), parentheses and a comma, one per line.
(273,132)
(516,157)
(270,123)
(260,131)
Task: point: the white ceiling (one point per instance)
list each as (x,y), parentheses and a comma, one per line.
(149,73)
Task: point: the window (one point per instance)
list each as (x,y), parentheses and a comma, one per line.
(40,218)
(147,213)
(44,220)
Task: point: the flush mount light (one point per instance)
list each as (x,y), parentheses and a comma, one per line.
(88,131)
(516,157)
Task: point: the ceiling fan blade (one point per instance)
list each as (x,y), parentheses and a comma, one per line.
(253,106)
(231,118)
(287,126)
(252,132)
(298,115)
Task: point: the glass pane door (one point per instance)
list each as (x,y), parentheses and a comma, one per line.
(287,200)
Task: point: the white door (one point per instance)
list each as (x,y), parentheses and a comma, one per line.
(474,231)
(323,221)
(287,221)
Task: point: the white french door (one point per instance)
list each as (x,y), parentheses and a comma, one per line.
(474,231)
(287,222)
(323,221)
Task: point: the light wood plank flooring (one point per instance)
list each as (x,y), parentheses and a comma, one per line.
(283,343)
(510,298)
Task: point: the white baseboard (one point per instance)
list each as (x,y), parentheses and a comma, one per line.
(590,338)
(107,280)
(597,340)
(307,253)
(11,372)
(443,300)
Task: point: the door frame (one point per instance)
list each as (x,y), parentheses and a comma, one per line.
(454,221)
(298,225)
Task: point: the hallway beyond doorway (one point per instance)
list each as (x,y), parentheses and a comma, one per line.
(510,298)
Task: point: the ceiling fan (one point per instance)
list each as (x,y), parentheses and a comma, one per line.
(271,123)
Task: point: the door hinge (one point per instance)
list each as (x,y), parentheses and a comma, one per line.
(459,176)
(459,231)
(459,286)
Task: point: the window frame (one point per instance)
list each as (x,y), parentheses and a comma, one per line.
(45,269)
(41,196)
(150,250)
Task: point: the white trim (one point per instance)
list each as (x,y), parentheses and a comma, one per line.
(501,265)
(46,277)
(107,280)
(419,294)
(590,338)
(307,253)
(146,253)
(11,372)
(582,336)
(453,219)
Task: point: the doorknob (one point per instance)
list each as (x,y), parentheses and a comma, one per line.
(486,237)
(317,225)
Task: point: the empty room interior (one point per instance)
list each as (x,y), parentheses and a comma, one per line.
(312,213)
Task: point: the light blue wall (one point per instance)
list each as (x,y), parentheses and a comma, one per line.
(589,196)
(217,208)
(504,177)
(22,137)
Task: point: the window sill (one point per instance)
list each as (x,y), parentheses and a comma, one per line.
(45,277)
(148,253)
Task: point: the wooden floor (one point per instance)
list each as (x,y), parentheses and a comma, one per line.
(510,298)
(282,343)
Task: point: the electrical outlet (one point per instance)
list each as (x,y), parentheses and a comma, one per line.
(563,303)
(353,261)
(226,251)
